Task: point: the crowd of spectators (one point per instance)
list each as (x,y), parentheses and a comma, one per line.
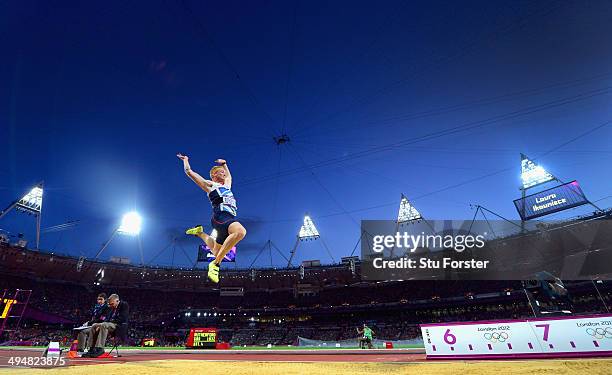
(275,306)
(160,315)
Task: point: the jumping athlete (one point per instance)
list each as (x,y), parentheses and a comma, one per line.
(229,230)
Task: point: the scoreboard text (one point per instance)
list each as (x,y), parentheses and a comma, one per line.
(202,338)
(5,306)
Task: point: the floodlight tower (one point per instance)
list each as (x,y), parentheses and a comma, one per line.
(307,232)
(131,224)
(31,204)
(407,214)
(532,175)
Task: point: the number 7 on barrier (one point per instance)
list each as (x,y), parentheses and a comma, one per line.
(546,329)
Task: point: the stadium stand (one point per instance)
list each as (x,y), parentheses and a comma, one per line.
(273,309)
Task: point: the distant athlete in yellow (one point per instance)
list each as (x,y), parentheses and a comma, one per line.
(229,230)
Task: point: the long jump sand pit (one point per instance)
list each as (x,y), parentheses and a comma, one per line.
(182,366)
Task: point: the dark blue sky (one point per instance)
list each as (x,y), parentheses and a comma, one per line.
(97,98)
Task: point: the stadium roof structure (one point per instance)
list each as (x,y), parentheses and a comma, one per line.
(62,267)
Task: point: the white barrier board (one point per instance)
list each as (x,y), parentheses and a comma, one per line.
(537,337)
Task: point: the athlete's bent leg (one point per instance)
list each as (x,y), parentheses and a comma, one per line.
(208,241)
(198,231)
(236,234)
(215,249)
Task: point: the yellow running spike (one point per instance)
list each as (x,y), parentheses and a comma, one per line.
(213,272)
(195,230)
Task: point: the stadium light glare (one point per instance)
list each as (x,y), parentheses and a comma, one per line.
(533,174)
(130,224)
(99,276)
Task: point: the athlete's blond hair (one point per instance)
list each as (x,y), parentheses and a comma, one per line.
(214,169)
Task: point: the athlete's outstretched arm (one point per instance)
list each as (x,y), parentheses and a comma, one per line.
(199,180)
(228,175)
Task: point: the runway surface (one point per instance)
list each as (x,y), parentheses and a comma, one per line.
(325,355)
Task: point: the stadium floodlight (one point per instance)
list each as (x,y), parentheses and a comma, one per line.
(308,230)
(130,224)
(32,201)
(407,212)
(533,174)
(31,204)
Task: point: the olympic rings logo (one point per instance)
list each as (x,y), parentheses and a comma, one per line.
(496,337)
(600,333)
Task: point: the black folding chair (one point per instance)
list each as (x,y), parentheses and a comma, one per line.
(119,336)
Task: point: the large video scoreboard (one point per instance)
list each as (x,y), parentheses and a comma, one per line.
(202,338)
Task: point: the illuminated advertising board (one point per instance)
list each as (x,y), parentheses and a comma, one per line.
(205,254)
(552,200)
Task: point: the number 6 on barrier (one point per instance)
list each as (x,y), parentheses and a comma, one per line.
(449,338)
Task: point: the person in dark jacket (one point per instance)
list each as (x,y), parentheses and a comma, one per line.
(119,315)
(101,312)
